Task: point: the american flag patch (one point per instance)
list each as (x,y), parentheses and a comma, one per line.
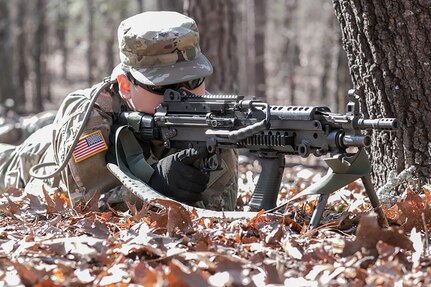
(89,145)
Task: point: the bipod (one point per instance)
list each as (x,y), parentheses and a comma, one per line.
(344,169)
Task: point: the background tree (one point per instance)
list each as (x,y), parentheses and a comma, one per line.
(38,52)
(171,5)
(61,31)
(290,68)
(217,22)
(254,30)
(5,51)
(91,59)
(387,44)
(290,57)
(260,8)
(343,82)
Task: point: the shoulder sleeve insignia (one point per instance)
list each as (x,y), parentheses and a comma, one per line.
(89,145)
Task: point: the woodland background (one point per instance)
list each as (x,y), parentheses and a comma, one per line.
(288,52)
(283,51)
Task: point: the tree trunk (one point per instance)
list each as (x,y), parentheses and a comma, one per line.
(343,81)
(326,55)
(22,69)
(140,5)
(259,50)
(38,41)
(91,60)
(216,21)
(5,53)
(388,47)
(61,31)
(290,50)
(171,5)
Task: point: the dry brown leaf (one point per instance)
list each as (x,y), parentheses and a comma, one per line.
(394,214)
(257,219)
(13,207)
(50,204)
(178,220)
(36,204)
(180,275)
(369,233)
(28,275)
(416,211)
(275,235)
(61,201)
(93,227)
(427,191)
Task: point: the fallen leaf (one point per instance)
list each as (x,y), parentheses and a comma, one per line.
(180,276)
(93,227)
(416,211)
(36,204)
(369,233)
(50,204)
(178,220)
(28,275)
(292,248)
(395,215)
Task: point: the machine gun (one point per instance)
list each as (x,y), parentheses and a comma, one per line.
(219,122)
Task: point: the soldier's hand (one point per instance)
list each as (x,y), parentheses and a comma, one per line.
(175,176)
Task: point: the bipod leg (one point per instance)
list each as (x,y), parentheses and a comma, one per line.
(318,211)
(375,203)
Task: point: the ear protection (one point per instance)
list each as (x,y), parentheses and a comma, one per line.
(123,83)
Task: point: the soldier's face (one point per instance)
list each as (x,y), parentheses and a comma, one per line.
(142,100)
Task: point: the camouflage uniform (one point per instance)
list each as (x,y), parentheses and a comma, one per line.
(154,53)
(14,130)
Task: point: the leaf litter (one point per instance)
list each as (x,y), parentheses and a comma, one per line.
(43,242)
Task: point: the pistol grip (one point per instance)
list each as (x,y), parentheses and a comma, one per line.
(266,192)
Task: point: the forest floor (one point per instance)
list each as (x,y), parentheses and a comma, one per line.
(43,242)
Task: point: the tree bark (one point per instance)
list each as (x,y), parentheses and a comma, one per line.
(171,5)
(290,51)
(22,68)
(259,50)
(343,81)
(140,5)
(250,51)
(388,47)
(216,21)
(5,53)
(38,44)
(91,60)
(61,31)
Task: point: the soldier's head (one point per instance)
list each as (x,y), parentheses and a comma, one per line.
(159,50)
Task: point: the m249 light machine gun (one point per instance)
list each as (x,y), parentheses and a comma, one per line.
(221,122)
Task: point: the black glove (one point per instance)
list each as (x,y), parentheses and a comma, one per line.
(175,176)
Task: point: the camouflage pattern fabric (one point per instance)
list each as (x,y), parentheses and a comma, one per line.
(88,178)
(81,180)
(162,48)
(16,161)
(157,48)
(15,130)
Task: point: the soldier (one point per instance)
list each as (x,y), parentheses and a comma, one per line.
(158,51)
(15,129)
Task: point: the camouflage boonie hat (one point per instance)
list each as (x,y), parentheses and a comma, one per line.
(162,48)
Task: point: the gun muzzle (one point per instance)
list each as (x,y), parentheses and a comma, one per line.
(381,124)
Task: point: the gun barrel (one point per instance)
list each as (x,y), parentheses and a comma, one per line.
(381,124)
